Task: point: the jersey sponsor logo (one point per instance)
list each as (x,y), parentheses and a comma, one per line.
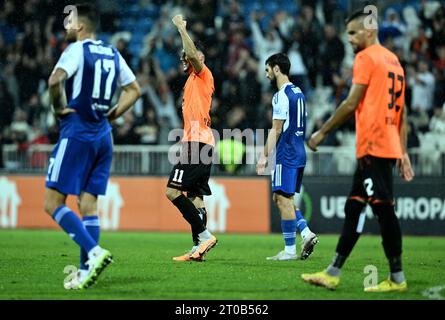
(217,205)
(100,107)
(109,207)
(9,202)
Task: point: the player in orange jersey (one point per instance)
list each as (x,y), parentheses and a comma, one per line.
(377,98)
(192,173)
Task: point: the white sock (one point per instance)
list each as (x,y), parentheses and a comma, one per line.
(94,252)
(83,273)
(291,249)
(305,232)
(205,235)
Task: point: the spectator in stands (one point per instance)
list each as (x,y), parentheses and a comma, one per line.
(147,128)
(2,164)
(7,106)
(342,83)
(264,111)
(233,20)
(438,29)
(439,62)
(392,27)
(246,68)
(332,53)
(235,44)
(310,40)
(266,42)
(31,40)
(439,73)
(421,44)
(413,140)
(109,12)
(437,123)
(124,130)
(122,47)
(422,83)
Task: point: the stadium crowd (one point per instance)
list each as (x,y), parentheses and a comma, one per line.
(238,36)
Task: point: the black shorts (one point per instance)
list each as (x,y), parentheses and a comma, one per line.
(373,180)
(192,173)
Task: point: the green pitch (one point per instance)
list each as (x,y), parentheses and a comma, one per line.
(32,264)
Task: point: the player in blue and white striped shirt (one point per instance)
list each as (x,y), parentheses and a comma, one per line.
(81,161)
(288,131)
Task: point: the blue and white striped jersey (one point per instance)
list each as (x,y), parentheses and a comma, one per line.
(289,104)
(94,70)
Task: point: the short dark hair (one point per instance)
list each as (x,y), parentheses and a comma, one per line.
(281,60)
(88,12)
(358,14)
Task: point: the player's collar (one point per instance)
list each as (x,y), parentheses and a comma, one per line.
(285,85)
(93,41)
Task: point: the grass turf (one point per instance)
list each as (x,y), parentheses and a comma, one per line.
(32,264)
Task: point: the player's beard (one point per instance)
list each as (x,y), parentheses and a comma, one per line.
(71,36)
(273,82)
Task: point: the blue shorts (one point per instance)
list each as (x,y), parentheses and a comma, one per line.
(77,166)
(287,180)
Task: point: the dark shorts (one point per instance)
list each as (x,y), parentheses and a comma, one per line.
(192,173)
(373,180)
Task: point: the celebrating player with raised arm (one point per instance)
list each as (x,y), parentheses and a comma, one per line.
(377,98)
(81,161)
(192,173)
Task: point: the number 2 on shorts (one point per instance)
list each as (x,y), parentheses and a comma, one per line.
(368,186)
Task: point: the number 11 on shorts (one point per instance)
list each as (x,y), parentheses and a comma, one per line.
(180,173)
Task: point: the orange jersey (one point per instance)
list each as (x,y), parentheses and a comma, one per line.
(378,116)
(198,91)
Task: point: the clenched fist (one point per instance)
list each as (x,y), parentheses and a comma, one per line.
(178,21)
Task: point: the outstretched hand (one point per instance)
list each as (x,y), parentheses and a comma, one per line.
(315,139)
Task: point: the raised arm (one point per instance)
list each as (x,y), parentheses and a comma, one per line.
(187,43)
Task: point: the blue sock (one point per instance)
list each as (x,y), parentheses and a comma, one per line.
(72,225)
(289,228)
(91,223)
(301,222)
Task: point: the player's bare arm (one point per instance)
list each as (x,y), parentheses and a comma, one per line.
(341,115)
(130,93)
(404,165)
(191,52)
(57,94)
(272,138)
